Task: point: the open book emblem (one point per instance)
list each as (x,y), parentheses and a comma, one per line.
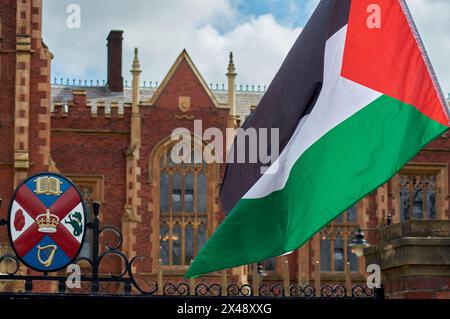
(47,185)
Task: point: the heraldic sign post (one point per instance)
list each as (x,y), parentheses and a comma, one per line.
(48,223)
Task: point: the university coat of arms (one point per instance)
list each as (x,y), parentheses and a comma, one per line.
(47,221)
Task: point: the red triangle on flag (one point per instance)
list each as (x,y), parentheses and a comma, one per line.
(388,58)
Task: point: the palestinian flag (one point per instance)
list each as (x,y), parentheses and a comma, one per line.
(355,100)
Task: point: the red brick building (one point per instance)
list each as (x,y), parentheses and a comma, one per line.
(113,141)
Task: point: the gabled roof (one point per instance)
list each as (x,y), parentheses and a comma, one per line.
(184,56)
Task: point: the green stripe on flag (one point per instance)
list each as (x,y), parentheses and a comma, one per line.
(349,161)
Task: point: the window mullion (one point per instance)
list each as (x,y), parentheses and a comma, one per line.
(195,221)
(183,242)
(424,197)
(345,239)
(170,223)
(411,197)
(195,195)
(332,238)
(183,191)
(170,191)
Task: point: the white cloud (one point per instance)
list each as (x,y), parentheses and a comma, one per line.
(161,29)
(259,45)
(433,21)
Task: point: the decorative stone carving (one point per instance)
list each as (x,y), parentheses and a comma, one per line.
(184,103)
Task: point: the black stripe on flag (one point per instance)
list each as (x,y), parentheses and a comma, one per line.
(291,95)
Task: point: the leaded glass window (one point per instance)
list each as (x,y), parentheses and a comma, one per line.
(268,264)
(335,240)
(325,257)
(183,210)
(417,196)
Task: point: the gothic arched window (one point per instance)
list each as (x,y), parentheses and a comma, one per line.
(335,240)
(183,208)
(419,191)
(417,196)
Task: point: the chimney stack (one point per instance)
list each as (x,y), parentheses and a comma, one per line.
(115,79)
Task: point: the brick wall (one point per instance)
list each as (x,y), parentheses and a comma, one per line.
(158,123)
(26,125)
(83,145)
(419,287)
(87,145)
(7,89)
(40,94)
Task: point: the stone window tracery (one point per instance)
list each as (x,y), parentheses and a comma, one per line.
(183,209)
(335,240)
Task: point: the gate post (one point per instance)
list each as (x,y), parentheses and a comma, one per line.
(224,283)
(286,279)
(317,283)
(192,284)
(348,279)
(255,280)
(95,244)
(160,278)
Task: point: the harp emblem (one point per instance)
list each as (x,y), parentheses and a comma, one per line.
(46,254)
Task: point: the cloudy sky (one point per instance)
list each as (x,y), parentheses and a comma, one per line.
(259,32)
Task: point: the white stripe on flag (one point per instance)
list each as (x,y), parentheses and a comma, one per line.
(339,100)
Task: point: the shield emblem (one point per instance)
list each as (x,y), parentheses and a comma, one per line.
(47,222)
(184,103)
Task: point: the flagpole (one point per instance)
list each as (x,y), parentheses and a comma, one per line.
(422,48)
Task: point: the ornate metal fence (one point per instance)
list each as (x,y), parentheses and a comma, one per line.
(126,283)
(267,290)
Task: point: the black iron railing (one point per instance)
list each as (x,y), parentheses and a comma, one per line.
(126,283)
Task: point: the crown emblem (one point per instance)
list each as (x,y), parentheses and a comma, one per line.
(47,222)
